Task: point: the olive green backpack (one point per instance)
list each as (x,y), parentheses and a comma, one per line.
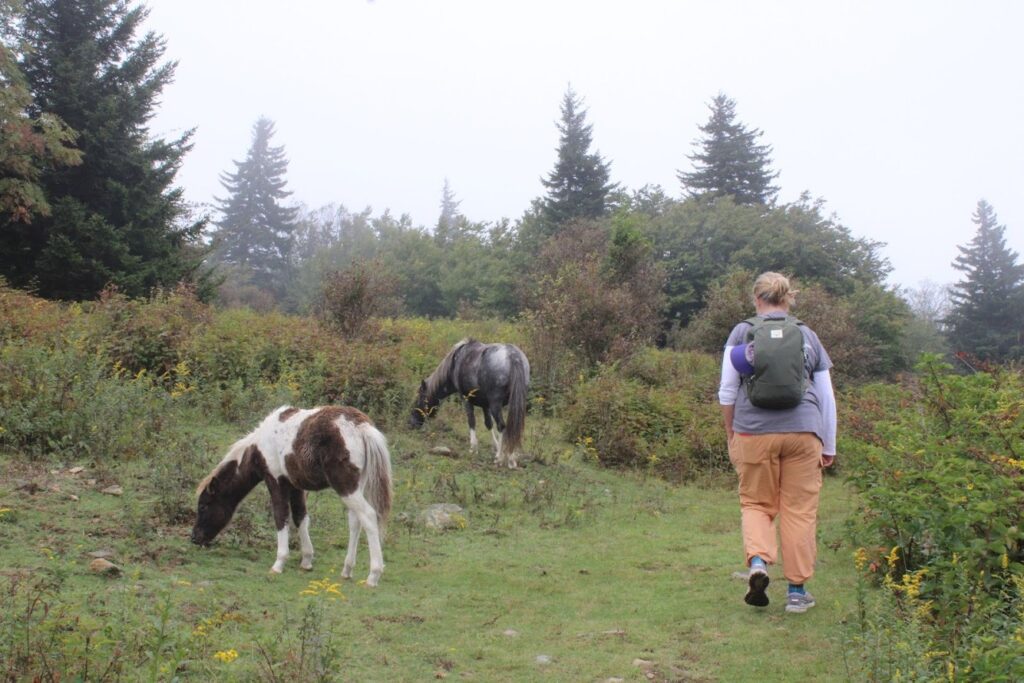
(780,374)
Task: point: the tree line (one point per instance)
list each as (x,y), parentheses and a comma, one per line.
(88,200)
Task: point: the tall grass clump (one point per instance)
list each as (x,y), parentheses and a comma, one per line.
(70,401)
(941,469)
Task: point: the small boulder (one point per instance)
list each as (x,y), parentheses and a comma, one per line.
(543,659)
(105,567)
(442,450)
(441,516)
(114,490)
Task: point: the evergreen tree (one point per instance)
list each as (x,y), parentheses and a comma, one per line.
(27,145)
(255,231)
(446,222)
(729,162)
(578,187)
(116,217)
(987,320)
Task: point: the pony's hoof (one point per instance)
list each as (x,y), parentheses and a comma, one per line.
(306,567)
(274,570)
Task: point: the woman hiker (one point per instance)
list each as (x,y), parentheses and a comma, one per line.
(780,421)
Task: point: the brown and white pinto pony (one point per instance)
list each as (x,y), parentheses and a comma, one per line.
(294,451)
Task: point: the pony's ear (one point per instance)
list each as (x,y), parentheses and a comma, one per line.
(423,385)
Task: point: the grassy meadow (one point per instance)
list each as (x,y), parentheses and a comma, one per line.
(609,556)
(559,571)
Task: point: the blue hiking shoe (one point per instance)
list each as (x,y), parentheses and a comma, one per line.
(799,603)
(757,585)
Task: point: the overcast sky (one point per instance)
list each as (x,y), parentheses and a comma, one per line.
(900,115)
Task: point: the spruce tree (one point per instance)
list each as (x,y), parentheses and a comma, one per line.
(445,231)
(256,231)
(579,186)
(116,218)
(987,320)
(729,160)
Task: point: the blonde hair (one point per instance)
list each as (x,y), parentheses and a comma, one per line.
(773,288)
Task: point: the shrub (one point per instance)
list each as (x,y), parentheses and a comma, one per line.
(149,334)
(657,413)
(942,524)
(70,402)
(596,297)
(351,297)
(25,317)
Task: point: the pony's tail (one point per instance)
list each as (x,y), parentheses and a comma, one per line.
(518,382)
(377,472)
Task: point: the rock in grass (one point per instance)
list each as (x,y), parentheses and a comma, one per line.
(102,554)
(104,567)
(441,516)
(114,490)
(543,659)
(442,450)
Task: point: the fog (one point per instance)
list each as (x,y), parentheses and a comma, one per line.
(901,116)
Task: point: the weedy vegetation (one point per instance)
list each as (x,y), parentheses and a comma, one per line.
(609,554)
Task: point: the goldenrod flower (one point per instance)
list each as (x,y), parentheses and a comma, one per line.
(323,587)
(860,559)
(894,556)
(226,656)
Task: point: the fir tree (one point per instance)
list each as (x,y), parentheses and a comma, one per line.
(446,222)
(256,231)
(987,320)
(116,217)
(579,186)
(729,162)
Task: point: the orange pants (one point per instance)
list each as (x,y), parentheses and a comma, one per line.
(780,476)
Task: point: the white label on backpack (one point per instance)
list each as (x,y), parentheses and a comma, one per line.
(776,334)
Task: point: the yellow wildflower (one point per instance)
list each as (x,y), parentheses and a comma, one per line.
(226,656)
(860,559)
(323,587)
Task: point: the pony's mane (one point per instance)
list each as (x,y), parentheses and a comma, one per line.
(440,374)
(235,454)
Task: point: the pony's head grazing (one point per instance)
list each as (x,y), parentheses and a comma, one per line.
(223,489)
(434,388)
(425,405)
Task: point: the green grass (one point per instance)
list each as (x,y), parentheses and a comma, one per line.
(594,569)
